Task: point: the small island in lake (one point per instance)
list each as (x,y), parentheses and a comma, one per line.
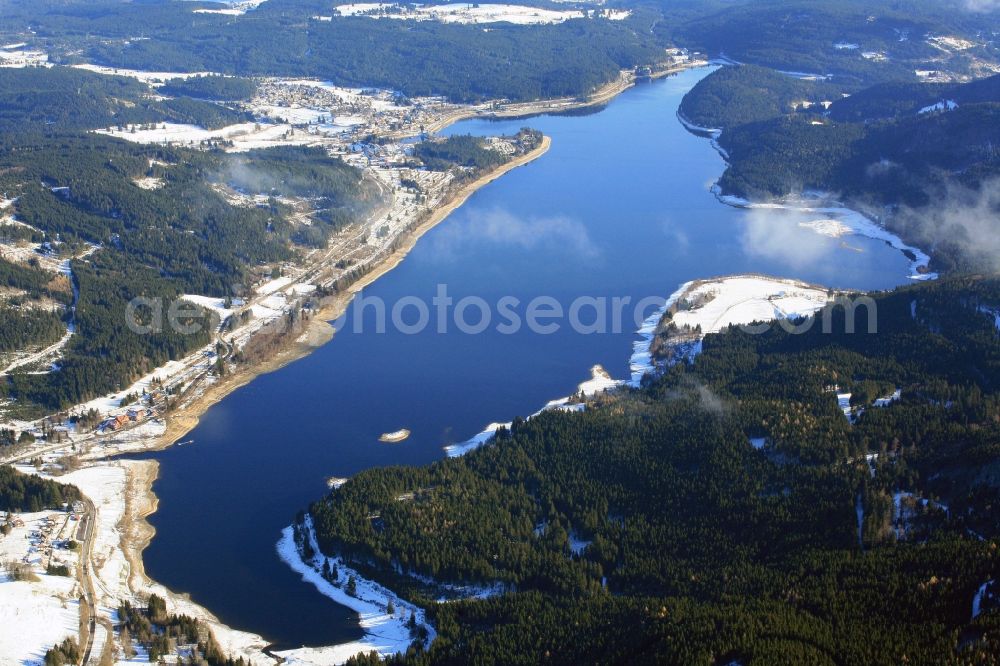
(395,437)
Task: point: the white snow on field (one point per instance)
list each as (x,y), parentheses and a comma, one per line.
(600,381)
(244,136)
(846,46)
(232,7)
(216,305)
(747,299)
(470,13)
(149,183)
(384,633)
(950,43)
(943,105)
(112,401)
(155,79)
(323,119)
(35,616)
(12,56)
(274,285)
(179,133)
(105,486)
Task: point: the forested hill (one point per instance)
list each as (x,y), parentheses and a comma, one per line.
(64,98)
(733,96)
(857,42)
(919,152)
(132,221)
(713,515)
(281,38)
(894,99)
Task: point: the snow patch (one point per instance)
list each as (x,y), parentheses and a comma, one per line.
(943,105)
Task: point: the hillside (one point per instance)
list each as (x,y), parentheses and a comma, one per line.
(715,513)
(733,96)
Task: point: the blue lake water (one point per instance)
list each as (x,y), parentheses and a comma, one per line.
(619,207)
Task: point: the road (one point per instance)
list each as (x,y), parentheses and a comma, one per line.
(84,573)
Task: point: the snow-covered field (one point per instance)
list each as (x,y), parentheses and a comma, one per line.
(34,616)
(155,79)
(232,7)
(16,55)
(741,300)
(472,13)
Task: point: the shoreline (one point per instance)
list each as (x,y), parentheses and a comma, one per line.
(602,95)
(141,502)
(135,532)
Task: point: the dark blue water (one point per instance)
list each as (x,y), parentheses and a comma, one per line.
(620,206)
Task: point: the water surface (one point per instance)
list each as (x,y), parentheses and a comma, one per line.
(619,207)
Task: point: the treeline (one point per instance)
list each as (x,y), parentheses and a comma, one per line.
(896,99)
(27,493)
(215,88)
(908,161)
(874,148)
(162,634)
(457,150)
(648,528)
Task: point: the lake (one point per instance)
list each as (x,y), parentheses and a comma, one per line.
(619,207)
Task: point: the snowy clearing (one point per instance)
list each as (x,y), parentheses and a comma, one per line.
(943,105)
(473,13)
(740,300)
(12,56)
(155,79)
(232,7)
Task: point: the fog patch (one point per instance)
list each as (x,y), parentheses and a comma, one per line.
(963,218)
(558,233)
(776,235)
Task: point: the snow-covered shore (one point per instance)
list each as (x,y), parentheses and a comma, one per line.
(385,633)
